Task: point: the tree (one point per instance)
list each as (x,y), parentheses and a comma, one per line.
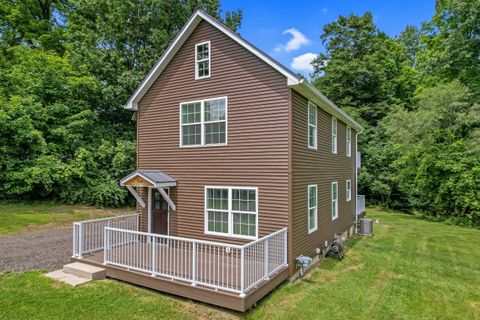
(32,23)
(363,69)
(452,40)
(409,39)
(439,166)
(119,41)
(66,68)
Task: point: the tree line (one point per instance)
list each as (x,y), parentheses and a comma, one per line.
(68,66)
(417,97)
(66,69)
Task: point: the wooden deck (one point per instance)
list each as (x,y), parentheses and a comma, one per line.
(185,289)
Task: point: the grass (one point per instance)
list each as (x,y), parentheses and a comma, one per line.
(21,217)
(410,269)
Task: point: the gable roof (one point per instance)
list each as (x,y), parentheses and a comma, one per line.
(294,81)
(157,178)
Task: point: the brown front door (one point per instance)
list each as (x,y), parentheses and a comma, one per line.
(160,213)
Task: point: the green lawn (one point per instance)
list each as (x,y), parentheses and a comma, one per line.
(19,217)
(410,269)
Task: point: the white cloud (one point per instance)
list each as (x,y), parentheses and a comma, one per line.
(303,62)
(298,40)
(324,11)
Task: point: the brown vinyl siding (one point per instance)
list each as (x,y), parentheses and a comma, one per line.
(258,118)
(320,167)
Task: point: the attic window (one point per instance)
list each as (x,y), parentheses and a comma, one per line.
(202,60)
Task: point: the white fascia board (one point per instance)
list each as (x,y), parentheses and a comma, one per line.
(180,39)
(314,95)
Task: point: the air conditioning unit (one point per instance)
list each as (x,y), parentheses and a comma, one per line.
(366,227)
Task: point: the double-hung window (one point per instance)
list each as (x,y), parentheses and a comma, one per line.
(349,141)
(202,60)
(203,122)
(312,125)
(334,135)
(312,208)
(348,186)
(334,200)
(231,211)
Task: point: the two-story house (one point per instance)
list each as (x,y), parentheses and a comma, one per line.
(242,167)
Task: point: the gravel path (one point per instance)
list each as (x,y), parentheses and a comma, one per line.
(40,249)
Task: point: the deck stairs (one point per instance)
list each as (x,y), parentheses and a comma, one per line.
(77,273)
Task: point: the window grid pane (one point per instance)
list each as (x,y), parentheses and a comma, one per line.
(334,200)
(191,113)
(218,221)
(244,224)
(191,134)
(312,208)
(217,199)
(243,200)
(215,133)
(215,110)
(203,60)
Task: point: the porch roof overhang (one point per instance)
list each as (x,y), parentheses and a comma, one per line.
(148,178)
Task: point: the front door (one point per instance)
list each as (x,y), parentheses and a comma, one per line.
(160,213)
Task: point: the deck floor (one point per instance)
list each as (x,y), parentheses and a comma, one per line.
(182,288)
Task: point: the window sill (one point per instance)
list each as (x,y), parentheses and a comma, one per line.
(200,78)
(204,146)
(227,235)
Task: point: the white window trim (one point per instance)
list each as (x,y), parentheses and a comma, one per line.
(314,147)
(348,191)
(348,138)
(310,230)
(334,135)
(209,60)
(334,202)
(230,233)
(202,124)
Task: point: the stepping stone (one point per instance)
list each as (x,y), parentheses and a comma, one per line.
(67,278)
(85,271)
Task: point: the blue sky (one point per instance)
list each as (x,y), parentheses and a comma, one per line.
(290,31)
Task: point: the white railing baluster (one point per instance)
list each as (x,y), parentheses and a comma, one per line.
(235,268)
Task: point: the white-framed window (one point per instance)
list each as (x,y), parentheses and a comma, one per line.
(203,123)
(349,141)
(334,200)
(348,188)
(231,211)
(334,135)
(312,126)
(312,208)
(202,60)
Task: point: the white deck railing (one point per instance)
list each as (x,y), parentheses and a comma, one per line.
(88,235)
(229,267)
(360,204)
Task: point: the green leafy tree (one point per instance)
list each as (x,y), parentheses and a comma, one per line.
(119,41)
(452,40)
(32,23)
(439,166)
(363,69)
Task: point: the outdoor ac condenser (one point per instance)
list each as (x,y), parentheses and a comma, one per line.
(366,227)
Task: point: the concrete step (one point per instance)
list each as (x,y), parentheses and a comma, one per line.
(67,278)
(85,271)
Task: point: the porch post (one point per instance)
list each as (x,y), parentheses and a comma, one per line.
(149,210)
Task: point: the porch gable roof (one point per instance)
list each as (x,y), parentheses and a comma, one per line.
(148,178)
